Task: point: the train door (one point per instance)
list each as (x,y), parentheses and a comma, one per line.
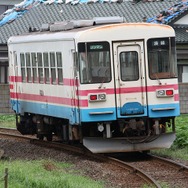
(130,78)
(76,108)
(13,79)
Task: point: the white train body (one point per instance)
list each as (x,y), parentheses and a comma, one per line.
(97,85)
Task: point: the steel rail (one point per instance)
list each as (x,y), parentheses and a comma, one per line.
(7,129)
(136,170)
(170,162)
(15,136)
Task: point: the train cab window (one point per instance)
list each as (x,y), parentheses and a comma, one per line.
(162,58)
(22,61)
(59,67)
(53,67)
(40,68)
(129,66)
(34,67)
(94,62)
(28,67)
(46,68)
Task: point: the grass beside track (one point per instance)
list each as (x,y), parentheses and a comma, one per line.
(8,121)
(179,149)
(41,173)
(44,174)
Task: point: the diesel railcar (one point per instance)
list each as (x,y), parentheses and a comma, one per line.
(111,86)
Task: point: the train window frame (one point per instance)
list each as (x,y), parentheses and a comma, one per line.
(40,67)
(53,66)
(126,65)
(94,60)
(59,59)
(28,67)
(23,66)
(34,67)
(46,68)
(157,47)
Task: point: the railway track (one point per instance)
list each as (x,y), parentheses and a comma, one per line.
(112,161)
(131,171)
(13,133)
(180,167)
(170,172)
(150,170)
(166,172)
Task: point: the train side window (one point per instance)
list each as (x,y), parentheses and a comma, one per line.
(46,68)
(53,67)
(28,67)
(129,66)
(22,61)
(40,68)
(59,67)
(34,67)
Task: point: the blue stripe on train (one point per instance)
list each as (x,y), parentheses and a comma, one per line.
(91,115)
(164,110)
(45,109)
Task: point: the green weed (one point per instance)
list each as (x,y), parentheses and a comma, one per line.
(44,174)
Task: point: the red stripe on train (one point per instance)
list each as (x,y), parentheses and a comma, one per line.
(49,99)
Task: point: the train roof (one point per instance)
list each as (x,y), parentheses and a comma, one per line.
(85,29)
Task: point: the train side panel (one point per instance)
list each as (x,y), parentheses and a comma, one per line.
(50,97)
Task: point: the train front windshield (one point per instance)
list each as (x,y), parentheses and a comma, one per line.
(162,58)
(94,62)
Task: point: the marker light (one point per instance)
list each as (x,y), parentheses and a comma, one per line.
(93,97)
(97,97)
(169,92)
(165,93)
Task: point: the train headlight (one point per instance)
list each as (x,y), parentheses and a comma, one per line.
(165,93)
(97,97)
(102,96)
(161,93)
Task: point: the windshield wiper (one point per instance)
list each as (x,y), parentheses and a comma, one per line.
(157,78)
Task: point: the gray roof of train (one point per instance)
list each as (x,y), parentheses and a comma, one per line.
(60,12)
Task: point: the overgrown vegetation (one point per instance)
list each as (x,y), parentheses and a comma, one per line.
(44,173)
(179,149)
(181,131)
(8,121)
